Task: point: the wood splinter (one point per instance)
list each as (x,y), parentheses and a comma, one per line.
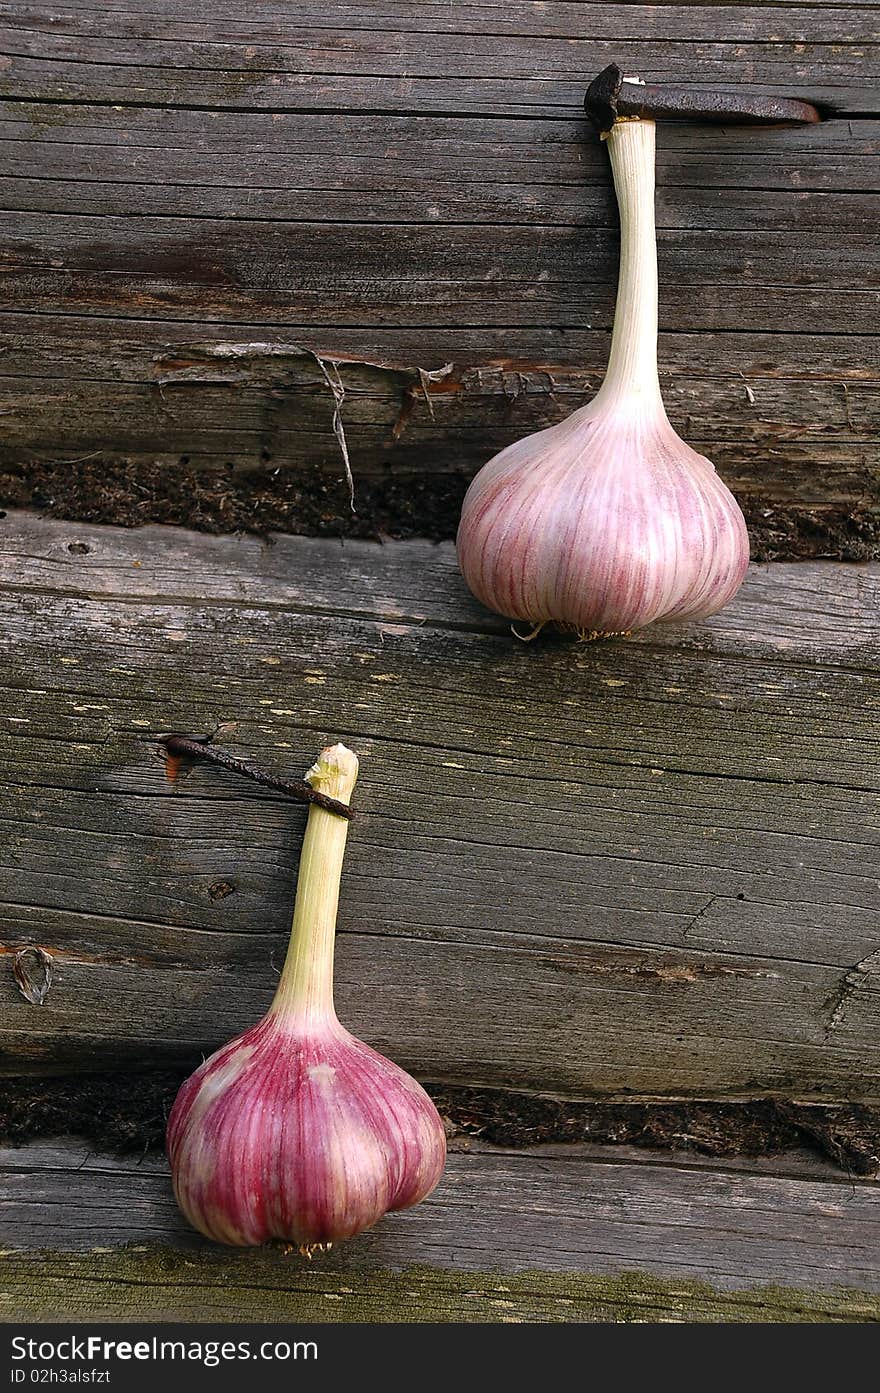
(33,969)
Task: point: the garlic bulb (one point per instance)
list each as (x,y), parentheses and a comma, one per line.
(608,521)
(296,1130)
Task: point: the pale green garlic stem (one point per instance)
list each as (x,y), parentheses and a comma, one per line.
(306,986)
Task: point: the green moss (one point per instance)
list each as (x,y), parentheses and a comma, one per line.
(139,1283)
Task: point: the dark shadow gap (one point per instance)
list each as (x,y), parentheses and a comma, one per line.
(127,1113)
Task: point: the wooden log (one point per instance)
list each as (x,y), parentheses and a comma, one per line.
(210,268)
(182,172)
(211,62)
(549,887)
(783,419)
(790,428)
(354,168)
(760,20)
(558,1233)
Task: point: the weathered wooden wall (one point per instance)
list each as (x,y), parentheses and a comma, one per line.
(647,867)
(189,198)
(644,869)
(560,1234)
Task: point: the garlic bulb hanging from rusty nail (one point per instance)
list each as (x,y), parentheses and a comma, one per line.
(296,1130)
(608,521)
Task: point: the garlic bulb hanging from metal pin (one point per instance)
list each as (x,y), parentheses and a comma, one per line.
(608,521)
(296,1130)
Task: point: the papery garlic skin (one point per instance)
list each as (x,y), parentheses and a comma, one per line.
(608,521)
(296,1130)
(602,524)
(304,1136)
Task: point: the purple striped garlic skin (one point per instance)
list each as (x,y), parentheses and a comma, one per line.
(602,524)
(608,521)
(297,1131)
(307,1136)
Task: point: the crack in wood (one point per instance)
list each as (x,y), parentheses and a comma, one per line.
(713,899)
(865,975)
(126,1113)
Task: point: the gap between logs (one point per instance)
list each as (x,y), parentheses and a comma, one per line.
(128,1112)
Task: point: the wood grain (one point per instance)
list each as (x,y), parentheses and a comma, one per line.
(558,1233)
(353,168)
(400,65)
(204,268)
(418,190)
(548,887)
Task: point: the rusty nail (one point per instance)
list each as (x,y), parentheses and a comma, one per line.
(200,747)
(611,95)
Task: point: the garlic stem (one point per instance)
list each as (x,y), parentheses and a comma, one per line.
(632,365)
(306,986)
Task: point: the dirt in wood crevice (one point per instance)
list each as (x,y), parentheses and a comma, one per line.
(314,504)
(846,1133)
(306,503)
(128,1112)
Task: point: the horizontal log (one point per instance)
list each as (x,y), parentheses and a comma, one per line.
(201,268)
(456,421)
(252,149)
(350,168)
(393,429)
(118,421)
(559,1234)
(131,350)
(580,205)
(275,23)
(515,824)
(423,50)
(304,67)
